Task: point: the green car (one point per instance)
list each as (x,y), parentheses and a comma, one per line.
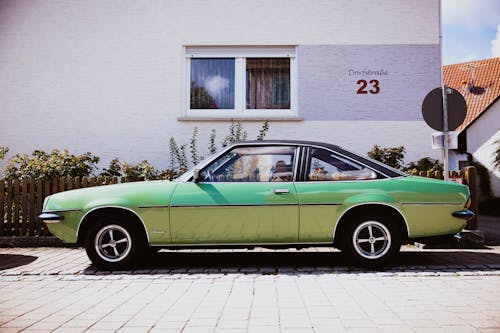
(262,193)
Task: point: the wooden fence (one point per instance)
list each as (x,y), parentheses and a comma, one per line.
(21,200)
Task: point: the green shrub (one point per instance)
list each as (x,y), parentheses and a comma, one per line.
(136,172)
(391,156)
(424,164)
(57,163)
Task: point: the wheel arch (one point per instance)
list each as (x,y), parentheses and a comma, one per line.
(376,207)
(97,212)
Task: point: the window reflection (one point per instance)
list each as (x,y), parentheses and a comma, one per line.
(252,164)
(212,83)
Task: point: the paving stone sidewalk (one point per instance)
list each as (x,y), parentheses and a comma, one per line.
(311,290)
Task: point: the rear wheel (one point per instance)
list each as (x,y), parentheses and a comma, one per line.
(371,241)
(113,244)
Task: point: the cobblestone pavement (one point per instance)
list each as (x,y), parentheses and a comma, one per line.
(311,290)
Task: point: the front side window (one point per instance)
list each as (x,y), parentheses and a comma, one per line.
(325,166)
(252,164)
(241,82)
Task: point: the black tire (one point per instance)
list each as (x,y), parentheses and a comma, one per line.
(371,240)
(113,244)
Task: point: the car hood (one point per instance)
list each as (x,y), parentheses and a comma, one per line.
(146,193)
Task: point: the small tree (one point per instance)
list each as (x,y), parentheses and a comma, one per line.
(391,156)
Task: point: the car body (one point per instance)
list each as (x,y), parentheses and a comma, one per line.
(262,193)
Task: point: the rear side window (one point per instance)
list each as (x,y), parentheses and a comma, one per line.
(326,166)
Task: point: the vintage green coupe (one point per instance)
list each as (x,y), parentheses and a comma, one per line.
(262,193)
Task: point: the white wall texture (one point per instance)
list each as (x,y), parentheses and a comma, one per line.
(107,76)
(481,138)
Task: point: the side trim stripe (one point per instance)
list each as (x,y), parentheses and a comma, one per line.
(154,206)
(432,203)
(62,210)
(239,205)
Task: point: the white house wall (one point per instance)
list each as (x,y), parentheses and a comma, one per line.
(108,76)
(481,138)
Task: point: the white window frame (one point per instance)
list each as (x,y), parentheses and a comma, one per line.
(239,54)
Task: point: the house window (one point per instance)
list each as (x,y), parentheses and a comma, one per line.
(268,83)
(212,84)
(239,82)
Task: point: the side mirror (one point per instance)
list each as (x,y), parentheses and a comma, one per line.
(196,175)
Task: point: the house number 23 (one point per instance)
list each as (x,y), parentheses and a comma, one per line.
(373,86)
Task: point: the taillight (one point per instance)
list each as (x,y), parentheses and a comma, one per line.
(467,204)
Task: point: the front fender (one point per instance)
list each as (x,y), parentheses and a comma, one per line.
(108,202)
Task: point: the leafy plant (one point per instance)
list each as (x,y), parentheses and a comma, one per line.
(3,151)
(178,157)
(141,171)
(114,169)
(424,164)
(263,131)
(211,143)
(391,156)
(136,172)
(194,147)
(57,163)
(236,134)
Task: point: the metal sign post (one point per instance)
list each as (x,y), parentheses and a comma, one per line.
(444,109)
(446,167)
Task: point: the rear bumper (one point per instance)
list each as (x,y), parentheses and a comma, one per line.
(464,214)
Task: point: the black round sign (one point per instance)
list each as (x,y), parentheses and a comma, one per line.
(432,109)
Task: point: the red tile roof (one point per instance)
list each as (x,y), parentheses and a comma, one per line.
(479,92)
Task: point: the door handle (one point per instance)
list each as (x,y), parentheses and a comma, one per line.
(281,191)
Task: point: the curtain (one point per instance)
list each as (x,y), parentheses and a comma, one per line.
(268,83)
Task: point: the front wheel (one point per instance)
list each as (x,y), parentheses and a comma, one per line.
(371,241)
(113,245)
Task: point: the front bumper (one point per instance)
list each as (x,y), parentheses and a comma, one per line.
(50,217)
(464,214)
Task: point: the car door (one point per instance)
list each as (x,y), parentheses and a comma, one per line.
(247,195)
(327,181)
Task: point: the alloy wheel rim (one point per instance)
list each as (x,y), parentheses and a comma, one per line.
(371,240)
(113,243)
